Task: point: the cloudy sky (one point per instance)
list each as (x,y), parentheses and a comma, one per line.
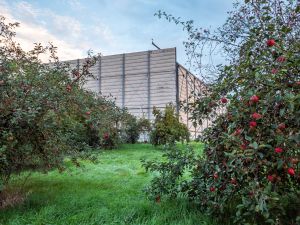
(108,26)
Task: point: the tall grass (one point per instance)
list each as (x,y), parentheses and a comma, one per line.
(108,192)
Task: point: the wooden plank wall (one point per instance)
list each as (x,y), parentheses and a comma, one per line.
(137,81)
(189,87)
(141,80)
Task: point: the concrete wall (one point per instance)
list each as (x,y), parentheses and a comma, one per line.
(190,87)
(141,80)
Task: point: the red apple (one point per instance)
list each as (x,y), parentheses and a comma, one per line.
(274,71)
(278,150)
(281,126)
(238,132)
(271,178)
(69,88)
(281,59)
(254,99)
(106,136)
(291,171)
(271,42)
(256,116)
(252,124)
(224,100)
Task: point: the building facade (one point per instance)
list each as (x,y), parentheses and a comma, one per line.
(141,80)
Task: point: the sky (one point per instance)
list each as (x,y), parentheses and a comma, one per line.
(109,26)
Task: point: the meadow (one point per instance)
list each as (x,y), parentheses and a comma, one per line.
(110,191)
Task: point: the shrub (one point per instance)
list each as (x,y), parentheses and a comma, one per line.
(45,115)
(251,170)
(133,128)
(167,128)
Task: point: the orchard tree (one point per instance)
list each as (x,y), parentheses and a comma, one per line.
(251,170)
(45,115)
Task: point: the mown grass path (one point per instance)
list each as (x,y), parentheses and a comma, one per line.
(109,192)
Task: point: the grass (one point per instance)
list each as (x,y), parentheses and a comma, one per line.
(109,192)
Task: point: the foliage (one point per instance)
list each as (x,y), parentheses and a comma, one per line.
(45,114)
(171,170)
(167,128)
(133,128)
(251,170)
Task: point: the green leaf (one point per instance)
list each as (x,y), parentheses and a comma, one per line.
(281,112)
(265,146)
(295,138)
(254,145)
(261,155)
(279,164)
(248,138)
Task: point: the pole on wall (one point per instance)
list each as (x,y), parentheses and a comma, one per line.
(99,71)
(187,97)
(123,83)
(149,86)
(177,82)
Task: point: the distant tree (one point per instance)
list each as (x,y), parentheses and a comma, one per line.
(167,128)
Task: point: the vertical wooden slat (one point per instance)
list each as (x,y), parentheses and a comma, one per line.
(177,82)
(123,83)
(187,97)
(149,87)
(99,71)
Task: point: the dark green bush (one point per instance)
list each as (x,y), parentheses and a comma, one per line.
(133,128)
(167,128)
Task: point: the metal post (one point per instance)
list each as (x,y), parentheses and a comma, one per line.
(149,86)
(177,82)
(99,71)
(187,97)
(78,64)
(123,83)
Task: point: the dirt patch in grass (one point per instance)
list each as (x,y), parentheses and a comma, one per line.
(11,197)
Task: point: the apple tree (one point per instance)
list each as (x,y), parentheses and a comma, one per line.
(250,172)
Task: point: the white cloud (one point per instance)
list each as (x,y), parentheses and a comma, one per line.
(75,5)
(65,25)
(103,32)
(28,12)
(33,31)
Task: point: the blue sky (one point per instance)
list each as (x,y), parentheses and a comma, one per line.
(109,26)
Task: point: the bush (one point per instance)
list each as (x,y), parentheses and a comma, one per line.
(251,170)
(133,128)
(45,115)
(167,128)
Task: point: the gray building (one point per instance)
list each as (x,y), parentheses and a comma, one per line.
(141,80)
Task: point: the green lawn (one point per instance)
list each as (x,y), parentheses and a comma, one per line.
(109,192)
